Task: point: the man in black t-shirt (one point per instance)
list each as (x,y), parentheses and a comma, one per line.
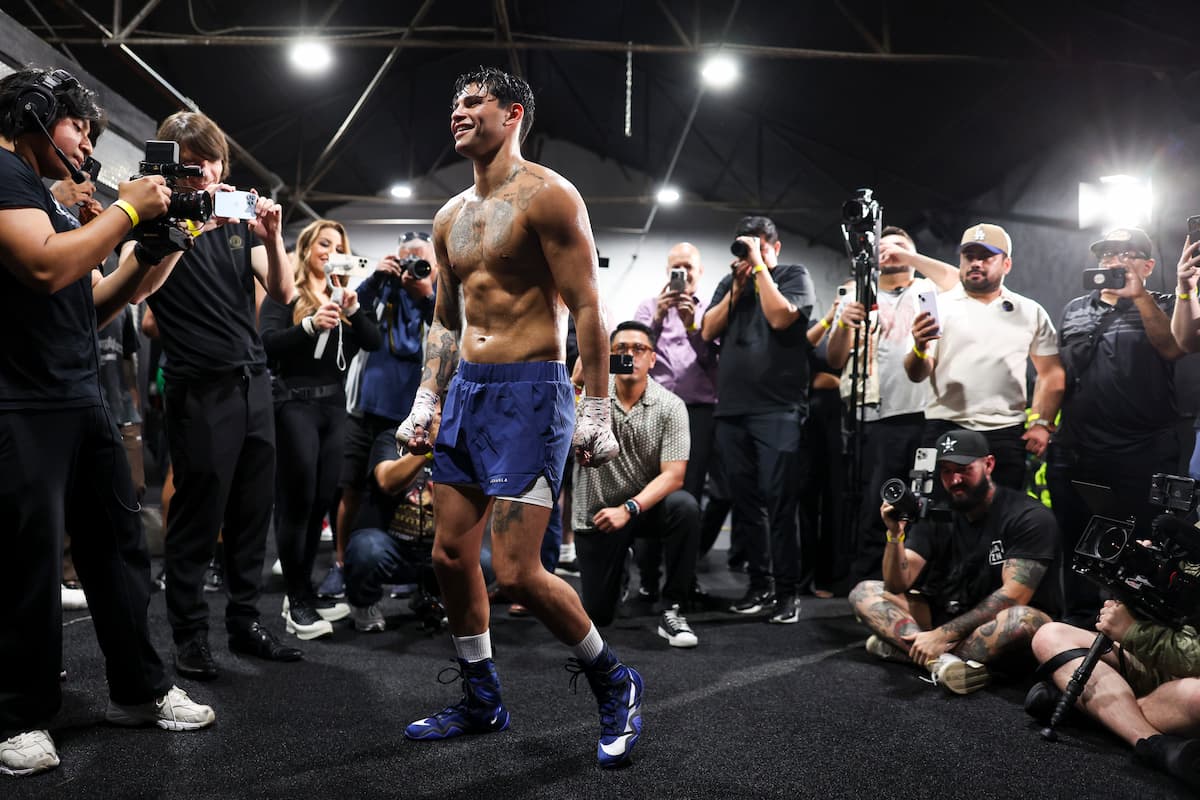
(961,594)
(1119,415)
(219,413)
(63,462)
(760,313)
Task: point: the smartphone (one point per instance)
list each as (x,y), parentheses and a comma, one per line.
(234,205)
(620,365)
(345,264)
(927,301)
(678,280)
(1194,228)
(1104,278)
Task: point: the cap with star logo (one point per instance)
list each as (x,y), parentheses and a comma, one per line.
(962,446)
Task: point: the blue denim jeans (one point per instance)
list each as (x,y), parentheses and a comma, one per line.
(374,558)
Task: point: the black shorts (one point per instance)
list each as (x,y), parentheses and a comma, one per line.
(356,456)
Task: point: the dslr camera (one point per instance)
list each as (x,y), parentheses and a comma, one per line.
(912,500)
(416,266)
(1158,580)
(163,235)
(862,213)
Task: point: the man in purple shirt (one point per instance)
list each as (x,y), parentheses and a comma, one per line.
(686,366)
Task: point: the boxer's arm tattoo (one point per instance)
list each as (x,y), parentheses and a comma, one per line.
(441,356)
(1025,571)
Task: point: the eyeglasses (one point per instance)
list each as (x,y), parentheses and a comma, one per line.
(637,348)
(1125,256)
(408,236)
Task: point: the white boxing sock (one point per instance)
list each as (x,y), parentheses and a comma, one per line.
(588,650)
(474,648)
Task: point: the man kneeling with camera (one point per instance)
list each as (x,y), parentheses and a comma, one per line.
(967,592)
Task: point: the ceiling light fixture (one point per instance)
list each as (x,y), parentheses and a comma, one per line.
(719,72)
(401,191)
(310,56)
(1116,201)
(668,196)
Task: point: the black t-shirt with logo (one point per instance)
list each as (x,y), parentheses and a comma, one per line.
(205,309)
(761,370)
(965,559)
(50,360)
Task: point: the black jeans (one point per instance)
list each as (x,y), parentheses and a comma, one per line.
(1129,478)
(822,482)
(761,460)
(888,447)
(310,436)
(222,437)
(675,520)
(67,470)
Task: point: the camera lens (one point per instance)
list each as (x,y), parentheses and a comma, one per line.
(739,248)
(420,268)
(190,205)
(892,491)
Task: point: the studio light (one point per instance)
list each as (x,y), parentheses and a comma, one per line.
(668,196)
(719,72)
(401,191)
(1116,201)
(310,56)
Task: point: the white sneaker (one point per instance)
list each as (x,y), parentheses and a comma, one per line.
(28,753)
(277,569)
(673,627)
(174,711)
(957,675)
(328,610)
(882,648)
(73,599)
(304,622)
(368,618)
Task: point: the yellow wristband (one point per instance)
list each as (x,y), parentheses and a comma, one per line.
(825,324)
(1183,295)
(842,324)
(894,539)
(758,268)
(918,353)
(428,456)
(194,228)
(130,212)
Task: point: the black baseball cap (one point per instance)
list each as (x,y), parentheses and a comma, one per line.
(1122,239)
(961,446)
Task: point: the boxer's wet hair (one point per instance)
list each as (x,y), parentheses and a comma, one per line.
(506,88)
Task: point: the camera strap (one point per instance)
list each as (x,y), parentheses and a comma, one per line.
(1089,355)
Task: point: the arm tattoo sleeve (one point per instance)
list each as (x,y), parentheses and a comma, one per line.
(988,608)
(441,356)
(1025,571)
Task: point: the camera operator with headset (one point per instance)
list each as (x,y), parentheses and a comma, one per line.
(63,460)
(1119,415)
(219,410)
(985,580)
(381,384)
(1146,690)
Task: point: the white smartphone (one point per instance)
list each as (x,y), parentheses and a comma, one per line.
(927,301)
(234,205)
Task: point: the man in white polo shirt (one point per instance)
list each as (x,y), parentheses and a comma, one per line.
(974,354)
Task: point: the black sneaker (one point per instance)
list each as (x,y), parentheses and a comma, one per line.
(194,660)
(159,582)
(787,611)
(756,601)
(1174,755)
(303,621)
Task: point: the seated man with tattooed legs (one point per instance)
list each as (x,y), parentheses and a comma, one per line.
(965,594)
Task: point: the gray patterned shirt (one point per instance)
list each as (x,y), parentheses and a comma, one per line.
(655,430)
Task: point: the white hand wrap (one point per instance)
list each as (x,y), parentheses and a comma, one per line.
(423,408)
(593,441)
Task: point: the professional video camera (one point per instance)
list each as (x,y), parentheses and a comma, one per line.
(163,235)
(1158,581)
(912,500)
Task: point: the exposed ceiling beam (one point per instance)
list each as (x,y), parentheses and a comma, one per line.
(860,28)
(683,37)
(500,12)
(137,20)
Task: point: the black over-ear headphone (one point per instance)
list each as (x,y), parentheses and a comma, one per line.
(37,98)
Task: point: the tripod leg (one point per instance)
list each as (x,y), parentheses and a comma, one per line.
(1101,645)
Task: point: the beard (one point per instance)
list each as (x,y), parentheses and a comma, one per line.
(980,284)
(972,497)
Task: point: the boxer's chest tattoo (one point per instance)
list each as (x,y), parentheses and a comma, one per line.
(466,234)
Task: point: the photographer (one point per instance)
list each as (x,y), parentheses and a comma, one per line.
(760,312)
(1119,415)
(1146,690)
(310,343)
(974,354)
(960,595)
(382,382)
(220,421)
(893,407)
(63,459)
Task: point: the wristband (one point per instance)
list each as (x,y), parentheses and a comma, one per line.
(894,539)
(842,324)
(919,354)
(632,507)
(1183,295)
(825,323)
(1045,423)
(758,268)
(307,325)
(694,327)
(130,212)
(194,228)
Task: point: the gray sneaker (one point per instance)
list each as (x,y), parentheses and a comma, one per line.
(367,618)
(957,675)
(882,648)
(28,754)
(174,711)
